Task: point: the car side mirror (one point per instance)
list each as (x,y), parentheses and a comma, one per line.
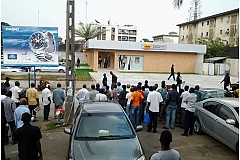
(139,128)
(230,121)
(67,130)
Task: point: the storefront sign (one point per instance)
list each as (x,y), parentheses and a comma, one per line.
(148,46)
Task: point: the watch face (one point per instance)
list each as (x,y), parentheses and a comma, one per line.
(37,41)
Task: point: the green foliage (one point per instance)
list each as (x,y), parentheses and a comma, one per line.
(51,126)
(4,24)
(83,74)
(215,47)
(88,31)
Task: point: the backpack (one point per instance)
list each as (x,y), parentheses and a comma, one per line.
(22,94)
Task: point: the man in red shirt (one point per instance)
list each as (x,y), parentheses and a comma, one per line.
(136,99)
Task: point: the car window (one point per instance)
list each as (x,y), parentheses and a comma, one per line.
(212,107)
(226,113)
(103,124)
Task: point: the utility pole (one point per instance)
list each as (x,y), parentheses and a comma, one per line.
(70,62)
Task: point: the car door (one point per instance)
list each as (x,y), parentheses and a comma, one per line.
(209,115)
(225,132)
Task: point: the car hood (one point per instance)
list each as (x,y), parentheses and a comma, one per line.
(107,149)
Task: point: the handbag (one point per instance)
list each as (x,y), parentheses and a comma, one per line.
(147,118)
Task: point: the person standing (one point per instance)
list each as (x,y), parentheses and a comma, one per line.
(104,80)
(136,99)
(46,100)
(114,80)
(163,93)
(122,97)
(15,92)
(128,98)
(28,138)
(93,93)
(23,108)
(183,105)
(173,98)
(83,95)
(190,100)
(33,99)
(100,61)
(9,108)
(179,81)
(166,153)
(115,94)
(172,73)
(3,128)
(7,83)
(101,96)
(106,62)
(154,99)
(226,81)
(78,62)
(58,98)
(198,93)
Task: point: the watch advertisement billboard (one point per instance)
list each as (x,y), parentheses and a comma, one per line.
(30,46)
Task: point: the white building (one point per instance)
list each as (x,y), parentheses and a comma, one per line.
(224,25)
(117,32)
(172,37)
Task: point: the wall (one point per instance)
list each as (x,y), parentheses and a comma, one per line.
(234,66)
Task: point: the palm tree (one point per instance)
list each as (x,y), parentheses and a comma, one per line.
(88,31)
(177,3)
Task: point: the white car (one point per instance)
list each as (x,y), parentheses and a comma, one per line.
(10,69)
(59,69)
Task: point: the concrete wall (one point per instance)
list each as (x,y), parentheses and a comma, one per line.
(234,66)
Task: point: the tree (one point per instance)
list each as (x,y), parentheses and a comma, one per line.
(215,47)
(177,3)
(88,31)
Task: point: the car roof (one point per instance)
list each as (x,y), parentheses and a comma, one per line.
(101,107)
(232,101)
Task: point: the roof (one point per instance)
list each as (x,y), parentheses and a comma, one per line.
(215,59)
(163,35)
(101,107)
(209,17)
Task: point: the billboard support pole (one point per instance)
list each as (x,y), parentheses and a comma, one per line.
(28,77)
(34,76)
(70,62)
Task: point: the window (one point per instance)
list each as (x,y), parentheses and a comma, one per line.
(202,23)
(182,37)
(207,22)
(183,28)
(226,113)
(187,27)
(206,33)
(201,34)
(220,31)
(186,36)
(221,19)
(212,107)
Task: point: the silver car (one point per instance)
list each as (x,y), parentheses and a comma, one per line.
(219,118)
(102,130)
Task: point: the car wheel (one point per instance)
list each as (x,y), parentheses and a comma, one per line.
(61,71)
(38,70)
(197,126)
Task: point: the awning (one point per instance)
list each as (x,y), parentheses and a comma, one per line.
(215,59)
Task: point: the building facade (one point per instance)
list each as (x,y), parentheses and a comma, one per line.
(117,32)
(224,25)
(145,57)
(172,37)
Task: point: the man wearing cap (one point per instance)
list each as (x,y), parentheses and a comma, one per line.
(28,138)
(46,100)
(166,153)
(33,99)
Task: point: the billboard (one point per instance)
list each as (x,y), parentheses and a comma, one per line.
(30,46)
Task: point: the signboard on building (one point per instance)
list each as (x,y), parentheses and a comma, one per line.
(149,46)
(30,46)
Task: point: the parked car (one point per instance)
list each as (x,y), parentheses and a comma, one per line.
(212,93)
(102,130)
(219,118)
(59,69)
(10,69)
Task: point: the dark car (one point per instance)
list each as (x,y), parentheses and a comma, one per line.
(219,118)
(102,130)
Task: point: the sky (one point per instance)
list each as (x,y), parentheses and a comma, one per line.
(151,17)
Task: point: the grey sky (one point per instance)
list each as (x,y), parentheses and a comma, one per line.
(151,17)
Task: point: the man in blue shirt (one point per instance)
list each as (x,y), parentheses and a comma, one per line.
(58,97)
(23,108)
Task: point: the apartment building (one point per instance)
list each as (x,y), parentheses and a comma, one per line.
(172,37)
(117,32)
(224,25)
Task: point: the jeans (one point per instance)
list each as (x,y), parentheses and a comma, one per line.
(153,121)
(142,109)
(46,111)
(31,108)
(189,122)
(134,115)
(13,128)
(182,117)
(170,111)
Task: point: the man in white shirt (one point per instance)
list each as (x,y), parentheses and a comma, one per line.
(183,105)
(154,99)
(128,97)
(166,153)
(46,100)
(191,99)
(15,93)
(83,95)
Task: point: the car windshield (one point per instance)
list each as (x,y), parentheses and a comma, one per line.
(98,126)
